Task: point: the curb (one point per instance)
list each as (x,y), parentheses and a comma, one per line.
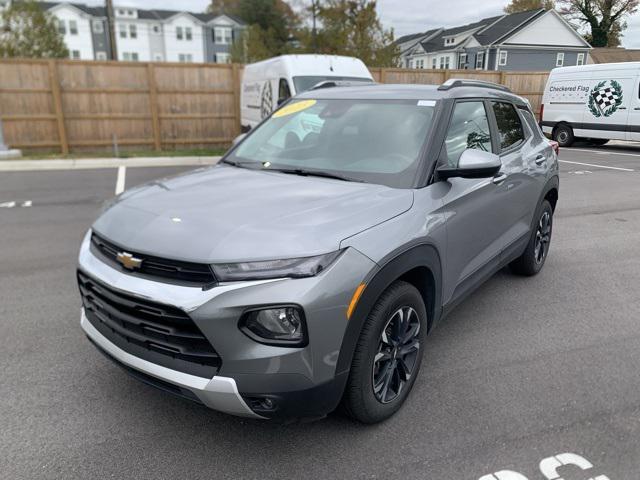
(96,163)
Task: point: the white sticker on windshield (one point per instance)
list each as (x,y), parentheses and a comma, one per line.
(426,103)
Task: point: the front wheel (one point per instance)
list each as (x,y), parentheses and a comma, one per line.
(563,134)
(387,356)
(533,258)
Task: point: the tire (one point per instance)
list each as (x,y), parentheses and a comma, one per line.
(379,361)
(563,134)
(535,255)
(598,141)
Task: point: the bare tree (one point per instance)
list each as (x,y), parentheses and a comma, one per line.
(604,18)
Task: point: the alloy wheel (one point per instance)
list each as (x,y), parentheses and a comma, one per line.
(543,237)
(397,353)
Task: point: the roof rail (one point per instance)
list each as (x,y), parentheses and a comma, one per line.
(339,83)
(463,82)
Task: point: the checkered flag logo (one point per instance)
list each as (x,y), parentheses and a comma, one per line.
(606,97)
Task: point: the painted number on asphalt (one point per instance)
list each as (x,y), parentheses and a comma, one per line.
(549,468)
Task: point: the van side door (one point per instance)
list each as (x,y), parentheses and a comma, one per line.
(633,122)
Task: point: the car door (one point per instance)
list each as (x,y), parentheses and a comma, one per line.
(476,210)
(519,152)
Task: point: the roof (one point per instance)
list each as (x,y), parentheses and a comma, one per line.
(377,91)
(506,25)
(613,55)
(143,14)
(436,44)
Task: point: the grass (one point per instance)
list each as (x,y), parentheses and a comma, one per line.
(194,152)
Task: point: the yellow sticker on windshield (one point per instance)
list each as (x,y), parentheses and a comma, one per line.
(294,108)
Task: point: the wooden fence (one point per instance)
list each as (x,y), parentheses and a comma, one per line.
(74,106)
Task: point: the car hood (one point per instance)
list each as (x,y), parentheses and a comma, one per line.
(225,214)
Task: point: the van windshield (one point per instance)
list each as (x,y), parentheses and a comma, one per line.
(305,83)
(374,141)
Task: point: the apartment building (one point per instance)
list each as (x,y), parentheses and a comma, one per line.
(145,35)
(532,40)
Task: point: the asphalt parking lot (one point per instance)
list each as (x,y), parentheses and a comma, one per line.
(525,369)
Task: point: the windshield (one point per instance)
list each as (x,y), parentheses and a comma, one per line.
(374,141)
(305,83)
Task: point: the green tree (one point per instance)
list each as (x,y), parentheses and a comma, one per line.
(27,31)
(605,19)
(352,28)
(523,5)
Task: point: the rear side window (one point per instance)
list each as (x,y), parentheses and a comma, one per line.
(531,121)
(509,127)
(469,128)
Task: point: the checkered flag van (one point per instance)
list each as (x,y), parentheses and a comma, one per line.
(605,97)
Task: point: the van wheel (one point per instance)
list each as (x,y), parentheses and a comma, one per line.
(387,356)
(598,141)
(563,134)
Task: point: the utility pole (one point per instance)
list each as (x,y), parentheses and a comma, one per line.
(111,26)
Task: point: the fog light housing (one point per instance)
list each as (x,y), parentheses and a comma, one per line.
(279,325)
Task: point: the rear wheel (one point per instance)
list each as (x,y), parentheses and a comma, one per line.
(563,134)
(533,258)
(598,141)
(387,356)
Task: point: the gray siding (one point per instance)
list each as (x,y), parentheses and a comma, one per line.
(211,48)
(101,41)
(543,60)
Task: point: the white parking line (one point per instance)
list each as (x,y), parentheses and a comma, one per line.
(120,180)
(602,152)
(598,166)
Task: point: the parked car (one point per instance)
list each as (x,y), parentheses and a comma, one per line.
(596,103)
(268,84)
(306,269)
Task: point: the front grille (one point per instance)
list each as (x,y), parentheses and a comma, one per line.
(155,332)
(159,268)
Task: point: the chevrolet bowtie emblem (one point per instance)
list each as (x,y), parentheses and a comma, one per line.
(128,261)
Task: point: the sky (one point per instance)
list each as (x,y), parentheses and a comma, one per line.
(404,16)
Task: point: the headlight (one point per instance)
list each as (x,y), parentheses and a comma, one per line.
(291,268)
(276,326)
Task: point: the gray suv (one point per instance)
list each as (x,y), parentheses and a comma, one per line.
(305,270)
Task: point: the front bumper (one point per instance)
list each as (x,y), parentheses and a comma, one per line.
(219,393)
(302,382)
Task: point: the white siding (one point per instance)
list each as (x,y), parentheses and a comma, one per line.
(81,42)
(185,47)
(549,29)
(128,45)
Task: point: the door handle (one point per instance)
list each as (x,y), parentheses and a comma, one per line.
(499,178)
(637,108)
(540,159)
(622,108)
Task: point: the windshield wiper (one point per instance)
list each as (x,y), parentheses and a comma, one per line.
(241,163)
(315,173)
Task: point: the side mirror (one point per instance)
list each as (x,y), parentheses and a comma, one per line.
(473,164)
(238,139)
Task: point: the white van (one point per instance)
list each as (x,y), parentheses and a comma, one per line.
(267,84)
(593,102)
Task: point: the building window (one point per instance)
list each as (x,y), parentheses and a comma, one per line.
(479,60)
(101,55)
(75,54)
(133,31)
(121,13)
(156,29)
(188,33)
(503,59)
(434,63)
(179,33)
(98,26)
(222,58)
(462,61)
(62,28)
(73,27)
(447,61)
(130,13)
(222,35)
(185,58)
(123,31)
(580,59)
(130,56)
(560,59)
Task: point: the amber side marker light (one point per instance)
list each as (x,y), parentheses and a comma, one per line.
(354,300)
